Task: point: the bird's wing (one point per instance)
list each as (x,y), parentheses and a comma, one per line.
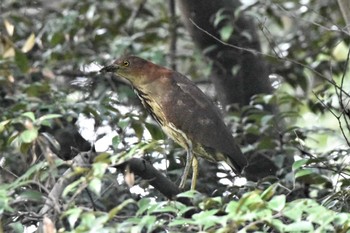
(197,116)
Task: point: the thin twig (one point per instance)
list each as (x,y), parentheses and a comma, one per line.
(173,34)
(255,52)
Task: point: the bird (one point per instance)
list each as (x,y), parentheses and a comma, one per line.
(184,113)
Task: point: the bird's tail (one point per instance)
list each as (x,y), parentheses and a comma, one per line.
(237,160)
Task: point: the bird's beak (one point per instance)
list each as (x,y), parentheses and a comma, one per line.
(111,68)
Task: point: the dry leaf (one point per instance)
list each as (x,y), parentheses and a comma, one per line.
(9,27)
(6,47)
(129,177)
(28,45)
(48,226)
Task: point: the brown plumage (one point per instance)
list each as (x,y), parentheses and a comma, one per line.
(183,111)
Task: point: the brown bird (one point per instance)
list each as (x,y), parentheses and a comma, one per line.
(183,111)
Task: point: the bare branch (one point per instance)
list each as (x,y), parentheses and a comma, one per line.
(255,52)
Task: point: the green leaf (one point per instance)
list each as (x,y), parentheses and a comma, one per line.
(232,207)
(95,185)
(72,186)
(299,227)
(207,218)
(181,221)
(21,61)
(220,16)
(299,163)
(99,169)
(341,219)
(269,192)
(138,128)
(30,115)
(31,195)
(5,200)
(73,215)
(113,212)
(17,227)
(189,194)
(278,224)
(149,222)
(57,38)
(250,201)
(277,203)
(103,158)
(294,210)
(311,177)
(29,135)
(41,120)
(88,220)
(163,208)
(3,124)
(115,141)
(304,172)
(155,131)
(226,32)
(143,205)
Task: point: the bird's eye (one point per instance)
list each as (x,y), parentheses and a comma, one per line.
(125,63)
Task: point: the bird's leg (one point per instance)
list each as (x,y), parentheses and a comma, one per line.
(194,173)
(189,158)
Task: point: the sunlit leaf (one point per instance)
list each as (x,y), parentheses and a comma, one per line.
(48,117)
(207,218)
(302,226)
(28,45)
(88,220)
(73,215)
(277,203)
(226,32)
(29,135)
(9,27)
(340,52)
(299,163)
(30,115)
(99,169)
(294,211)
(269,192)
(95,185)
(3,124)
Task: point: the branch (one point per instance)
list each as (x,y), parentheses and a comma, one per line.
(146,171)
(53,198)
(173,34)
(255,52)
(344,6)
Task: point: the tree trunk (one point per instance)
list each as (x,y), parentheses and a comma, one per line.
(237,74)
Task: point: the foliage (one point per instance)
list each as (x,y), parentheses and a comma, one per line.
(49,57)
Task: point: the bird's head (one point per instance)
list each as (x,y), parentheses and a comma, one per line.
(132,68)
